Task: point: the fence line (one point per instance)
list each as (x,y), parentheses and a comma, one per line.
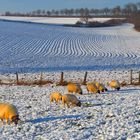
(134,79)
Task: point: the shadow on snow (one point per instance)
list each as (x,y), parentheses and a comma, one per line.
(40,120)
(130,91)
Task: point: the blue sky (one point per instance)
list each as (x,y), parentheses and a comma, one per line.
(30,5)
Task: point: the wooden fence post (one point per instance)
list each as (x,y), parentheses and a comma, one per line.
(17,79)
(139,78)
(41,78)
(131,77)
(62,77)
(85,78)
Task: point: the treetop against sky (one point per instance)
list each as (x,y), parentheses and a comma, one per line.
(30,5)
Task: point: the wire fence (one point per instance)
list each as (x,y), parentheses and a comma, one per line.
(130,77)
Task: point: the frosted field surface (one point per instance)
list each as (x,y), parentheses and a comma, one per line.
(109,115)
(28,47)
(112,115)
(49,20)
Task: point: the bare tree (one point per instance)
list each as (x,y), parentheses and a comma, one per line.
(56,12)
(116,11)
(7,13)
(38,12)
(62,12)
(48,13)
(131,8)
(84,15)
(138,6)
(43,12)
(106,11)
(53,12)
(77,12)
(71,12)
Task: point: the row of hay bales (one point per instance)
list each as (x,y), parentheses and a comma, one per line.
(9,112)
(71,99)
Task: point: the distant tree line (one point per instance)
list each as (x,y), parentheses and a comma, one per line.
(118,11)
(130,11)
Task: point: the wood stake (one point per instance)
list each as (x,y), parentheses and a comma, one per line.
(139,78)
(131,77)
(17,79)
(85,78)
(62,77)
(41,78)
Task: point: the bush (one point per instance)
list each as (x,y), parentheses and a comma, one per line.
(116,21)
(135,19)
(111,22)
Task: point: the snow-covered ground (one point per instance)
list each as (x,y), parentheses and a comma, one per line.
(31,47)
(42,19)
(36,47)
(110,115)
(49,20)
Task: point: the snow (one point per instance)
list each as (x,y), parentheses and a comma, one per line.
(107,53)
(49,20)
(110,115)
(32,47)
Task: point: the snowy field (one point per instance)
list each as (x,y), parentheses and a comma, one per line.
(31,47)
(110,115)
(49,20)
(111,52)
